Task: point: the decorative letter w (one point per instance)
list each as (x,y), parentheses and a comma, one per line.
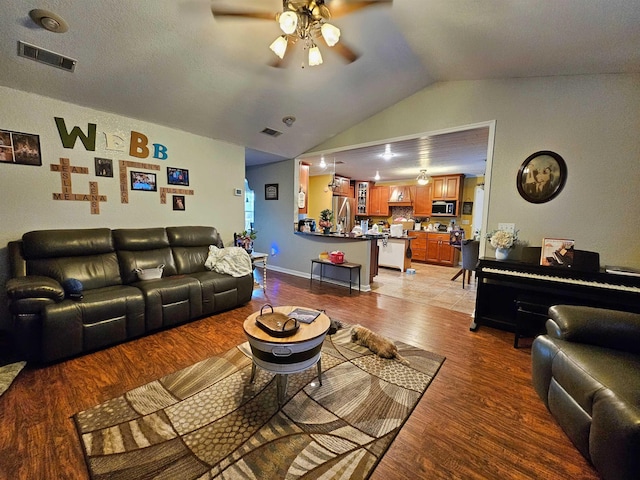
(69,139)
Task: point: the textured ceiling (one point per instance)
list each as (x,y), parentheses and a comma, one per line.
(171,62)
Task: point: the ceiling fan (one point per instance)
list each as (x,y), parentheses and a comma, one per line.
(305,21)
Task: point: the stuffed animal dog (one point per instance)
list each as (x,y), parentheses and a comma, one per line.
(379,345)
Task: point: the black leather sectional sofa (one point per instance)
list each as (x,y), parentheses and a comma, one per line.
(586,369)
(116,305)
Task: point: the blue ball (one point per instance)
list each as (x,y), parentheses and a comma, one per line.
(72,286)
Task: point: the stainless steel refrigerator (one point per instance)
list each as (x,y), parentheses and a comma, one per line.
(344,212)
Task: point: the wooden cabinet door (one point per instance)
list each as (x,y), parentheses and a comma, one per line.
(422,202)
(362,198)
(433,249)
(439,188)
(303,188)
(345,187)
(452,188)
(379,201)
(447,253)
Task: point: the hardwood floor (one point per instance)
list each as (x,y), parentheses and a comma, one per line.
(479,419)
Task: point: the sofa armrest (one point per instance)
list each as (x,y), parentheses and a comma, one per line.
(595,326)
(34,286)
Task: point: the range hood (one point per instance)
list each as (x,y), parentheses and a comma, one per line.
(400,196)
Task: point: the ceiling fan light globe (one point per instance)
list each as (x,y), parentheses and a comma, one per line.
(288,22)
(279,46)
(315,57)
(330,33)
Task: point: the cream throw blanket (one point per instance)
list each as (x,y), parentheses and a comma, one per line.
(234,261)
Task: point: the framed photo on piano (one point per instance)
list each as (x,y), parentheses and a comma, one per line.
(541,176)
(557,252)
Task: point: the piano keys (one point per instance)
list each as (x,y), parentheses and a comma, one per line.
(504,285)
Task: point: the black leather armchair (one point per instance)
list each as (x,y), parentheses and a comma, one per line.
(587,371)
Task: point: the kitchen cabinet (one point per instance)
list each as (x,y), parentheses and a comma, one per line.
(343,188)
(362,197)
(418,245)
(447,187)
(439,251)
(303,189)
(422,201)
(379,201)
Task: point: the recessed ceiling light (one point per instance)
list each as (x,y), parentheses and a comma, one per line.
(49,20)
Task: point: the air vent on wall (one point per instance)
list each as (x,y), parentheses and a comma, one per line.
(46,56)
(271,132)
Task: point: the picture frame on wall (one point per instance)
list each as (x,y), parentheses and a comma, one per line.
(541,177)
(177,176)
(104,167)
(20,148)
(271,191)
(178,202)
(144,181)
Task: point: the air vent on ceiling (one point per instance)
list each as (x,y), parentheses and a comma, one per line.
(46,56)
(271,132)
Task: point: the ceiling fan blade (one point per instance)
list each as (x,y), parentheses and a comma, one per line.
(339,8)
(341,49)
(224,13)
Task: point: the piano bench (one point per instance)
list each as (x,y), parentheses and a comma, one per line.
(531,316)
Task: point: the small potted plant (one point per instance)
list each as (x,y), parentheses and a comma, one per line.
(326,220)
(245,240)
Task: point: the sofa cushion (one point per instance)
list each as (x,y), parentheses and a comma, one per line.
(66,243)
(143,248)
(87,255)
(190,246)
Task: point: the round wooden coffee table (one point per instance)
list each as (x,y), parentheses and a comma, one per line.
(293,354)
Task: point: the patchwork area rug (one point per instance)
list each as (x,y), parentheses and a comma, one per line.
(8,374)
(208,422)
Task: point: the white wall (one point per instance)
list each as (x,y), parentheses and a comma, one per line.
(215,169)
(593,122)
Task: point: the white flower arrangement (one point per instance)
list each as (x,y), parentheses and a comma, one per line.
(502,238)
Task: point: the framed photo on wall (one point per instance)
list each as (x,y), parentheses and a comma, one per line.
(541,176)
(143,181)
(271,191)
(20,148)
(177,176)
(178,202)
(104,167)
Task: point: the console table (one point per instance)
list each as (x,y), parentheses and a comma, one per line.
(351,267)
(260,259)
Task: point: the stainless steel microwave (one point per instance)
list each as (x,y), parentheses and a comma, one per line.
(443,208)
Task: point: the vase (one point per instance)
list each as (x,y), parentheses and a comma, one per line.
(326,230)
(502,253)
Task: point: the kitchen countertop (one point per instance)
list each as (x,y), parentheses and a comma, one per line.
(346,236)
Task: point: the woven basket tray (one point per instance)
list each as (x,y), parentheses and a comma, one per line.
(276,324)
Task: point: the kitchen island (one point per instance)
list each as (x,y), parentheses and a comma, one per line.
(394,252)
(361,249)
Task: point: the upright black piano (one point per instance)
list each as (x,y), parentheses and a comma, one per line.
(515,296)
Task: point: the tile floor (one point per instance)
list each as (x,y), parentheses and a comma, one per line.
(430,285)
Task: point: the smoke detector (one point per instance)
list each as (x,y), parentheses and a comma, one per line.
(49,20)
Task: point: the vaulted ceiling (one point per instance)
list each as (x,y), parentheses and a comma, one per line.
(171,62)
